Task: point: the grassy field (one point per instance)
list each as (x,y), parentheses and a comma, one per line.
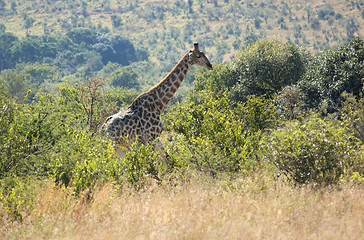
(250,208)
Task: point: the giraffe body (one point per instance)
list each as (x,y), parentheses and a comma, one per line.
(141,120)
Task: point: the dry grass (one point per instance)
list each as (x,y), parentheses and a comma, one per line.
(200,209)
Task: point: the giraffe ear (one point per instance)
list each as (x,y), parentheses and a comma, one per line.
(195,47)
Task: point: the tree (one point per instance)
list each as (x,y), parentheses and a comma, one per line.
(190,4)
(82,35)
(353,109)
(13,6)
(308,10)
(221,78)
(334,71)
(2,4)
(2,28)
(28,23)
(219,135)
(266,66)
(7,40)
(14,84)
(36,75)
(30,50)
(351,27)
(115,49)
(125,77)
(116,21)
(93,103)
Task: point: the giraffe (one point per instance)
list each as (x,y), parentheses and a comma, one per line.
(141,120)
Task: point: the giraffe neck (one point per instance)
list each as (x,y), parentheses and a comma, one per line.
(160,95)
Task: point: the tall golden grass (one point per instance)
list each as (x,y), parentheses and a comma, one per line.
(201,208)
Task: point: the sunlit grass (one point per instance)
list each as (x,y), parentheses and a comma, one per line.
(201,208)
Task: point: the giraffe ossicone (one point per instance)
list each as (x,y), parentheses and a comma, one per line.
(141,120)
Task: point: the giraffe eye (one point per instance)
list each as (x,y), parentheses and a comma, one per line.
(198,56)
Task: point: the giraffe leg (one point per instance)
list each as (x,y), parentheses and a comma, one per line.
(159,147)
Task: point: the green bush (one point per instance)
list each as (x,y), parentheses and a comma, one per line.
(265,67)
(219,135)
(81,160)
(290,102)
(314,150)
(353,113)
(262,68)
(333,71)
(141,162)
(17,197)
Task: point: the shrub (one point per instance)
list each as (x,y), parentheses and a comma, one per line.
(141,162)
(314,151)
(81,160)
(219,135)
(17,198)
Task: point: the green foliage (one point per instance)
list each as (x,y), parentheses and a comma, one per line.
(353,111)
(14,146)
(266,66)
(54,136)
(357,178)
(312,151)
(82,35)
(290,102)
(220,135)
(30,50)
(17,197)
(80,160)
(89,103)
(116,48)
(96,106)
(126,77)
(195,19)
(332,72)
(263,68)
(37,74)
(31,77)
(14,84)
(141,162)
(7,40)
(221,78)
(29,132)
(122,97)
(80,47)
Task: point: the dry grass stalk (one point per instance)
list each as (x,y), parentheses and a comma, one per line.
(242,209)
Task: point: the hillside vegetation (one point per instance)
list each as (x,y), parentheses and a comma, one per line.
(267,145)
(167,28)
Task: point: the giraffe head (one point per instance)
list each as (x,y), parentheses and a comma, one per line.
(199,58)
